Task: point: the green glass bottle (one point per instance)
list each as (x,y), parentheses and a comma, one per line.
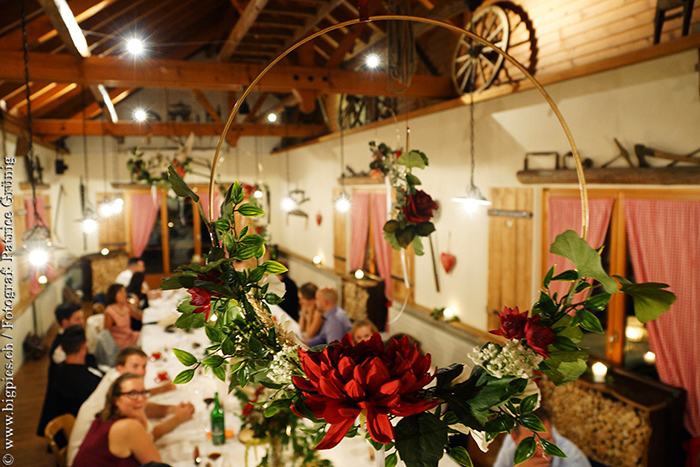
(218,430)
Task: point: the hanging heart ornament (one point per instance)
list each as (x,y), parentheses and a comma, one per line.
(448,261)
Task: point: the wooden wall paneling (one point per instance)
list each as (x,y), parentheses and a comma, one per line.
(510,253)
(340,253)
(112,230)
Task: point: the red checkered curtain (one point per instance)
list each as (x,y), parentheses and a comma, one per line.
(565,214)
(144,210)
(664,243)
(359,218)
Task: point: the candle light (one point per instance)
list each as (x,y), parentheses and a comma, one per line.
(599,372)
(650,358)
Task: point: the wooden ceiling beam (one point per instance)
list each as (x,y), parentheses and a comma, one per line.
(199,95)
(311,23)
(248,17)
(56,128)
(180,74)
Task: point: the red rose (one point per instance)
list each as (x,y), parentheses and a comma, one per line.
(539,337)
(202,300)
(419,207)
(344,380)
(512,324)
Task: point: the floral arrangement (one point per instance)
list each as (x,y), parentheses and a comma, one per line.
(413,208)
(404,407)
(154,170)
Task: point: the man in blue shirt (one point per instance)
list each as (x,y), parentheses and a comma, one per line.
(335,321)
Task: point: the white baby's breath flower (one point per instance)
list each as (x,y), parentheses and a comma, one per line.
(281,367)
(513,359)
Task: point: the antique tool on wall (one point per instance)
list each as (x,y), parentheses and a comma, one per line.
(623,153)
(643,152)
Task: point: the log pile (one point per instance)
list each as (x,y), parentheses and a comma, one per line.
(606,428)
(355,300)
(105,270)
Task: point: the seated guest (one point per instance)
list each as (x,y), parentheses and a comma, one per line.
(290,301)
(118,437)
(72,382)
(130,360)
(67,314)
(137,297)
(118,316)
(310,317)
(335,321)
(575,457)
(134,265)
(362,330)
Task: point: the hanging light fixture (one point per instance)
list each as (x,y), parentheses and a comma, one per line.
(342,202)
(88,222)
(474,198)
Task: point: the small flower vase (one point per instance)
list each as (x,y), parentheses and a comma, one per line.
(379,457)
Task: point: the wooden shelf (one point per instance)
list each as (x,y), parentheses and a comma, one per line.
(625,175)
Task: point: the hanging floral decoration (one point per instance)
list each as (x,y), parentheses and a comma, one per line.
(413,209)
(409,409)
(153,170)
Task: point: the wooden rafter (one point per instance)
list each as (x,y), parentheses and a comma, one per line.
(311,23)
(248,17)
(232,138)
(178,74)
(55,128)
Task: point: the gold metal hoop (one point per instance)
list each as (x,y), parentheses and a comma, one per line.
(518,65)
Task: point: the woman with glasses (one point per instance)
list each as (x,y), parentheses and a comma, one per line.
(118,437)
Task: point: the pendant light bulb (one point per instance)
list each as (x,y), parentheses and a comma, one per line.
(117,205)
(288,204)
(342,203)
(38,257)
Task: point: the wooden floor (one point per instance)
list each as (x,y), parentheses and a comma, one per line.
(30,450)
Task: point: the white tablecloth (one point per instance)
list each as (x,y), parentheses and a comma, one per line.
(177,447)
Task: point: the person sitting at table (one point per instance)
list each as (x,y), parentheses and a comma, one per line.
(67,314)
(310,318)
(118,437)
(71,382)
(335,321)
(137,297)
(362,330)
(118,316)
(290,300)
(134,265)
(129,360)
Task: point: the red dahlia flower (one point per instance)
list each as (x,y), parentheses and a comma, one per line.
(202,300)
(344,380)
(539,337)
(512,324)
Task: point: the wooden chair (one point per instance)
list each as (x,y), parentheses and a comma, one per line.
(62,423)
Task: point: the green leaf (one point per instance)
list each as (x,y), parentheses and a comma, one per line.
(179,186)
(548,277)
(273,299)
(390,238)
(597,302)
(214,334)
(248,246)
(585,259)
(391,460)
(564,343)
(273,267)
(565,327)
(420,439)
(501,424)
(525,450)
(446,374)
(412,159)
(590,322)
(450,418)
(533,423)
(551,448)
(171,283)
(185,357)
(417,246)
(391,225)
(275,406)
(255,346)
(649,298)
(528,404)
(569,275)
(213,361)
(461,456)
(250,210)
(227,347)
(190,320)
(184,376)
(244,375)
(425,228)
(565,367)
(256,275)
(412,179)
(405,236)
(220,373)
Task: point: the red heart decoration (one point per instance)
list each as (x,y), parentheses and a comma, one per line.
(448,261)
(319,218)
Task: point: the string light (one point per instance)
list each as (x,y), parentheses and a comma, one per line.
(140,115)
(135,46)
(372,61)
(271,117)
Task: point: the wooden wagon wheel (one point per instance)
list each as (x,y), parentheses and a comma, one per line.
(356,111)
(475,66)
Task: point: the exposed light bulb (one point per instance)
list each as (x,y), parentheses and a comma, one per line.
(448,314)
(271,117)
(88,226)
(42,279)
(38,257)
(106,209)
(117,205)
(317,260)
(140,115)
(258,194)
(288,204)
(359,275)
(650,358)
(372,61)
(104,251)
(342,203)
(135,46)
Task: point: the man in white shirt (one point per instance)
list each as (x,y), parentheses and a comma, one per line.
(129,360)
(134,265)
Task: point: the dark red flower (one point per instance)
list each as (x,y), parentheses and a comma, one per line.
(344,380)
(202,300)
(419,207)
(512,324)
(539,337)
(249,189)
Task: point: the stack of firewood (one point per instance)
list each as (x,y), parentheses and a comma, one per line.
(355,300)
(606,428)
